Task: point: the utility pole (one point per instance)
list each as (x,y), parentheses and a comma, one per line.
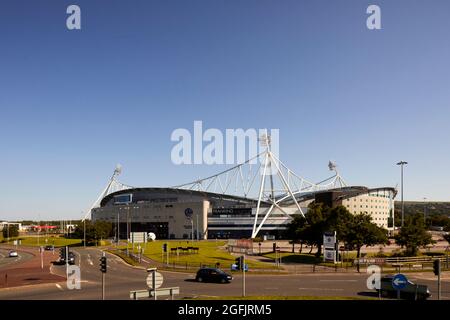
(67,261)
(196,215)
(402,163)
(424,210)
(84,227)
(243,275)
(118,230)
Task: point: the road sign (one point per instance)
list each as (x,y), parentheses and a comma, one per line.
(158,280)
(399,281)
(138,237)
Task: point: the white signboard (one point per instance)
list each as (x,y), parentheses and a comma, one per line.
(138,237)
(329,255)
(329,241)
(329,246)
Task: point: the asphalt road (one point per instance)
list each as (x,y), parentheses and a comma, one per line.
(121,279)
(5,260)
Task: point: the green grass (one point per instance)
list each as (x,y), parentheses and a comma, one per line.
(210,253)
(51,240)
(280,298)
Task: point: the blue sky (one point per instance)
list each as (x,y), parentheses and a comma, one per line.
(75,103)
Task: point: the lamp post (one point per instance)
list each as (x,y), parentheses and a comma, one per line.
(424,210)
(196,215)
(402,163)
(84,236)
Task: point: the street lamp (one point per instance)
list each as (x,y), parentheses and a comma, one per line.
(402,163)
(424,210)
(84,231)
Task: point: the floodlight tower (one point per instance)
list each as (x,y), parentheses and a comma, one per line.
(107,190)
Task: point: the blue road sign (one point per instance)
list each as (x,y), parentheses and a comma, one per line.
(234,267)
(399,281)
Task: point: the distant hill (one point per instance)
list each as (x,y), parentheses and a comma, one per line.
(431,208)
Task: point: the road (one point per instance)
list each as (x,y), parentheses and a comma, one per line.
(121,278)
(5,260)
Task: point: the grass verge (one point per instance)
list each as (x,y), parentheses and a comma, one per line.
(209,253)
(46,241)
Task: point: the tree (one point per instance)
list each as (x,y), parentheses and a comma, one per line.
(295,230)
(316,226)
(362,232)
(338,220)
(11,230)
(94,231)
(413,235)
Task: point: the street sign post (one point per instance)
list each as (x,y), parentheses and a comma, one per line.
(399,281)
(154,280)
(329,246)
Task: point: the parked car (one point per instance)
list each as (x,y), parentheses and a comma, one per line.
(13,254)
(49,248)
(212,275)
(410,291)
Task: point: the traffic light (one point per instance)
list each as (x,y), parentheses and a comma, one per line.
(238,263)
(165,247)
(62,253)
(437,267)
(103,264)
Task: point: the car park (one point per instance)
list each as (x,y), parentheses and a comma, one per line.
(213,275)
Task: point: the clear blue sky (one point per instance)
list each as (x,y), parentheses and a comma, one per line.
(75,103)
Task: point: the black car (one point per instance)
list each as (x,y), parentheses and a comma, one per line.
(213,275)
(48,248)
(410,291)
(71,259)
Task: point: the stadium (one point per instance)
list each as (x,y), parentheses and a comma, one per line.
(240,202)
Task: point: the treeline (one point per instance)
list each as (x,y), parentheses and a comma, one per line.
(355,231)
(418,207)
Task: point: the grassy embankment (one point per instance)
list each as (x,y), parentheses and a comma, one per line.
(44,241)
(209,253)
